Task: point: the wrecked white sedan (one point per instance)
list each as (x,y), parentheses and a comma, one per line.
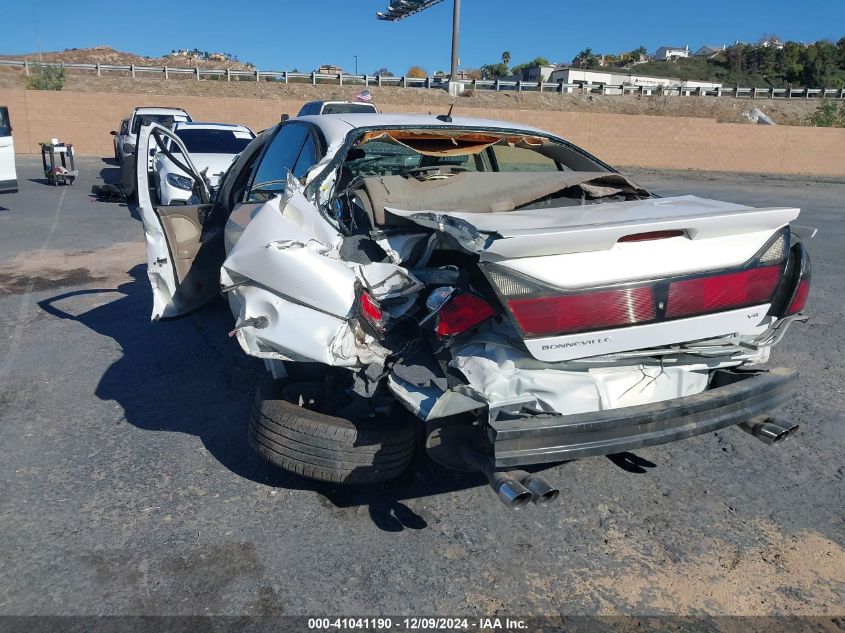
(485,290)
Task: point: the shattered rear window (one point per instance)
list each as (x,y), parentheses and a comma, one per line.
(394,152)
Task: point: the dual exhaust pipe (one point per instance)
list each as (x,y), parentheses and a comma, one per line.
(515,488)
(769,430)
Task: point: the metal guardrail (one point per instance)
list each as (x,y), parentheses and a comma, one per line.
(342,79)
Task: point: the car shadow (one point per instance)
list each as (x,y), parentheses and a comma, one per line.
(186,375)
(631,463)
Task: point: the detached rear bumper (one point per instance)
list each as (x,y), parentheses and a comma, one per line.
(734,396)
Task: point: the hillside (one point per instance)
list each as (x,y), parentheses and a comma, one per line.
(725,109)
(108,55)
(793,112)
(817,65)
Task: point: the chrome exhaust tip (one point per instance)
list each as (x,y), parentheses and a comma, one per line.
(542,491)
(504,483)
(512,493)
(769,430)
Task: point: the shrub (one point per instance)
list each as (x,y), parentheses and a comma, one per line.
(47,77)
(828,114)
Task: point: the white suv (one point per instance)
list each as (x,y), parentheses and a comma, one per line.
(144,115)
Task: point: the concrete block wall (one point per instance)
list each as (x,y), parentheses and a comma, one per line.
(85,119)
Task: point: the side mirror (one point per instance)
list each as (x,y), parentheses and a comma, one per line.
(285,117)
(113,133)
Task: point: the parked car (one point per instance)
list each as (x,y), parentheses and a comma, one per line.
(121,137)
(337,107)
(486,290)
(144,115)
(8,174)
(212,147)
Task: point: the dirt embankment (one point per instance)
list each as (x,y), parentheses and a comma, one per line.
(724,109)
(108,55)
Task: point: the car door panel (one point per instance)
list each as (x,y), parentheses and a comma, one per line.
(196,250)
(184,245)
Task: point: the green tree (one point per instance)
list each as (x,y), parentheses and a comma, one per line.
(537,61)
(47,77)
(586,59)
(506,58)
(821,61)
(493,71)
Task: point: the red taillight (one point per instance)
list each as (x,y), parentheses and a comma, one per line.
(566,314)
(462,313)
(371,311)
(800,298)
(722,292)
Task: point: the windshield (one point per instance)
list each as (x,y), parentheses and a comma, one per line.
(165,120)
(214,141)
(344,108)
(5,125)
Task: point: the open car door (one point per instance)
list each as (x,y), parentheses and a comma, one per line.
(184,243)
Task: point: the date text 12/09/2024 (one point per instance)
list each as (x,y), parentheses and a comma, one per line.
(416,624)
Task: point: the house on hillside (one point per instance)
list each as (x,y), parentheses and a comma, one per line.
(537,73)
(671,53)
(774,43)
(329,69)
(709,51)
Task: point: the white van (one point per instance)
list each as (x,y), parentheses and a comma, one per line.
(8,176)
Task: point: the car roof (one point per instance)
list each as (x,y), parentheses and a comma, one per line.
(159,110)
(200,125)
(335,127)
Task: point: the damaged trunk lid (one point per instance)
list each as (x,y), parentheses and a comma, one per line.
(596,279)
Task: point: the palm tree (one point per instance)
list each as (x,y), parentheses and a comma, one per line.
(506,58)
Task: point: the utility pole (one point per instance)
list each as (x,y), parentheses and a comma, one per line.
(456,18)
(356,64)
(401,9)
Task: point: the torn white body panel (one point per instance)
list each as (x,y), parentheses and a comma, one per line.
(402,246)
(431,403)
(298,333)
(284,267)
(278,253)
(513,382)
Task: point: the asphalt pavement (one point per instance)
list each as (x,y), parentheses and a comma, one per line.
(129,487)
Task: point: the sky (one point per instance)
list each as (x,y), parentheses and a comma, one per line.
(302,34)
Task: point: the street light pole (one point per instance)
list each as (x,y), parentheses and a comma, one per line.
(456,16)
(356,64)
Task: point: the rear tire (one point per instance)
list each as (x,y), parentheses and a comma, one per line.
(328,448)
